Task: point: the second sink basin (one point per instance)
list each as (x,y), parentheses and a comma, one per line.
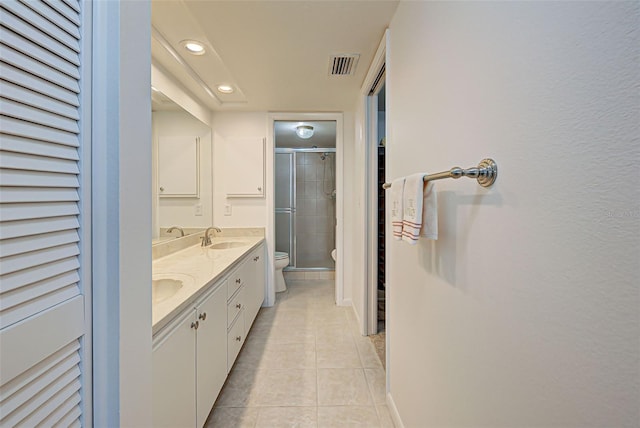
(227,244)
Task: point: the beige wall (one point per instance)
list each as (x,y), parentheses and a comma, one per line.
(525,311)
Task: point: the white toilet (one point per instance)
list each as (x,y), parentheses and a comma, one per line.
(281,261)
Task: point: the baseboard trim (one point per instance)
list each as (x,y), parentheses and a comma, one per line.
(393,411)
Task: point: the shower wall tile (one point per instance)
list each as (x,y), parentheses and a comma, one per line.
(310,189)
(306,207)
(310,173)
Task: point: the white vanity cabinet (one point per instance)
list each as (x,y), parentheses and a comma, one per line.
(174,374)
(189,362)
(245,291)
(193,353)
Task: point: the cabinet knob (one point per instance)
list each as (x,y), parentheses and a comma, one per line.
(239,305)
(195,325)
(238,281)
(203,316)
(239,338)
(162,189)
(259,189)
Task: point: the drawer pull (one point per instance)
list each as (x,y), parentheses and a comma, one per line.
(195,325)
(238,281)
(239,338)
(239,305)
(203,316)
(256,258)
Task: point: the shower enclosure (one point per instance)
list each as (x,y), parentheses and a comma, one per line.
(305,197)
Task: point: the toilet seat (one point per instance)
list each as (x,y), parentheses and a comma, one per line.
(279,255)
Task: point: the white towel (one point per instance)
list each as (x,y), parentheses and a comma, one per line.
(412,208)
(429,228)
(397,190)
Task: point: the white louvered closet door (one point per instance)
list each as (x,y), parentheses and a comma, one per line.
(42,297)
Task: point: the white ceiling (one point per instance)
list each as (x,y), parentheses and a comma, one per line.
(275,52)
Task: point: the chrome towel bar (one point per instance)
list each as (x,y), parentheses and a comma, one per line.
(486,173)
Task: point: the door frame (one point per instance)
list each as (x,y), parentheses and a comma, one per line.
(270,229)
(370,103)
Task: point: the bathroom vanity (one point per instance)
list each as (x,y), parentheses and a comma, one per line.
(205,301)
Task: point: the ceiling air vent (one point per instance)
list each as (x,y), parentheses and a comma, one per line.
(343,65)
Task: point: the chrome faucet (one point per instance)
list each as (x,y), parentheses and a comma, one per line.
(172,228)
(206,239)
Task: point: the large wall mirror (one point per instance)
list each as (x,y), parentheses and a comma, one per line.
(182,174)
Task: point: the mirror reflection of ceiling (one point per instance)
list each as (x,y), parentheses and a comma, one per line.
(324,134)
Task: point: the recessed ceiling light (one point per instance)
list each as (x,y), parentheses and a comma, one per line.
(225,89)
(193,47)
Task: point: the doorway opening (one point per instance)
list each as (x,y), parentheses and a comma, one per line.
(305,194)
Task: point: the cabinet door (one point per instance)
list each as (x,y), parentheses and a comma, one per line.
(254,290)
(211,354)
(174,374)
(244,175)
(179,166)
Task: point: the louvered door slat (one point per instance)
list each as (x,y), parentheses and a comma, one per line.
(15,313)
(35,67)
(42,306)
(36,258)
(17,177)
(15,144)
(11,403)
(21,128)
(28,228)
(41,117)
(20,296)
(12,212)
(12,160)
(26,244)
(34,99)
(18,194)
(40,48)
(73,5)
(37,84)
(68,351)
(21,278)
(65,414)
(64,10)
(28,414)
(54,25)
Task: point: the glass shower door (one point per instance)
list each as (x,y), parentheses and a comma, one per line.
(285,181)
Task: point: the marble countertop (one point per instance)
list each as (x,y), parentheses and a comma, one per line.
(197,268)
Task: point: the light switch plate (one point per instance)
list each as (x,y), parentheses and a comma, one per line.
(198,209)
(227,209)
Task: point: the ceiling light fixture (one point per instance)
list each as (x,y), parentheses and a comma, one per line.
(225,89)
(193,47)
(304,131)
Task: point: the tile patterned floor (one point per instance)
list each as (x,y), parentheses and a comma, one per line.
(304,364)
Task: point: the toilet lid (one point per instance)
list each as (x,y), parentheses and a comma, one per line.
(280,255)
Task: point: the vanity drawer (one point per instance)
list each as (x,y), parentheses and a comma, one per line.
(235,339)
(235,305)
(237,279)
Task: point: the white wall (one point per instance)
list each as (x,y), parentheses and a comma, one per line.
(525,311)
(245,212)
(349,208)
(182,211)
(120,212)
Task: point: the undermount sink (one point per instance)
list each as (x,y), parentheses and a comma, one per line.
(162,289)
(225,245)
